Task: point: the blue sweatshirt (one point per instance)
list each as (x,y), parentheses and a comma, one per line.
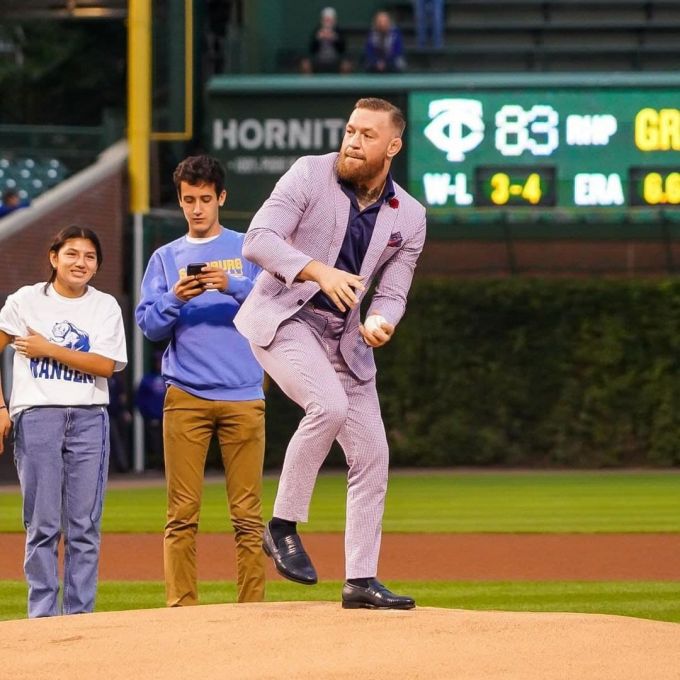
(206,356)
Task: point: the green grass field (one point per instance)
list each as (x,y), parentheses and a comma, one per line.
(651,600)
(550,502)
(517,502)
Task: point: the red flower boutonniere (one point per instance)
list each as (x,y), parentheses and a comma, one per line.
(394,202)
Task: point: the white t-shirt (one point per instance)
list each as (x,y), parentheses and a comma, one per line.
(90,323)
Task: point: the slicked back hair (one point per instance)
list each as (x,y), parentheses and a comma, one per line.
(376,104)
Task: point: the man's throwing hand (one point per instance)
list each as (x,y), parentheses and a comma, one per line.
(376,334)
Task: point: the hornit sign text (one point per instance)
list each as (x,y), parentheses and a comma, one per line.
(251,134)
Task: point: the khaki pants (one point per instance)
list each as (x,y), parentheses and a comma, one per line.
(188,425)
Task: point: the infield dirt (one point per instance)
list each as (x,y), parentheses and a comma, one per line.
(535,557)
(322,641)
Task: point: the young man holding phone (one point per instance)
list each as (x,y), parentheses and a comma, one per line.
(191,291)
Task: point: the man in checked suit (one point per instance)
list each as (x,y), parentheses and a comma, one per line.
(332,224)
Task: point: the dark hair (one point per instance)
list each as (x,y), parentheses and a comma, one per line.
(66,234)
(197,170)
(376,104)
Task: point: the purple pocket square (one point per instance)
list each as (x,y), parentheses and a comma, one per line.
(395,240)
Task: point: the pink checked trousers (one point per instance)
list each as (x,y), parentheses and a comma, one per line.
(305,361)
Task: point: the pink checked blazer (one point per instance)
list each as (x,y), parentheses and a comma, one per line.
(305,219)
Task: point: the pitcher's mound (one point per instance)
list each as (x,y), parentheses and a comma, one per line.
(321,641)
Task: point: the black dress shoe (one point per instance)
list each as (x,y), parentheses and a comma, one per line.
(290,558)
(375,596)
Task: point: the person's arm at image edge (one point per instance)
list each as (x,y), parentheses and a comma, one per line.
(5,422)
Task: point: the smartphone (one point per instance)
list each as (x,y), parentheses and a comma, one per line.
(194,269)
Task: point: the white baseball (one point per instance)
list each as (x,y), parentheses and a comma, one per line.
(374,322)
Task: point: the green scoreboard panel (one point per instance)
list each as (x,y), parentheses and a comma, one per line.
(562,148)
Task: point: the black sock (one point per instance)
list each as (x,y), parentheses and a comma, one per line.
(361,582)
(281,528)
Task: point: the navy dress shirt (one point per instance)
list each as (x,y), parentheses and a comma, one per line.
(357,237)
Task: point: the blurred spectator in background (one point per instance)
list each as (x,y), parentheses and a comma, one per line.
(11,202)
(384,51)
(149,400)
(429,19)
(326,47)
(218,13)
(119,424)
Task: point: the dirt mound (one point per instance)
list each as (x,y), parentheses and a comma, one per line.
(323,641)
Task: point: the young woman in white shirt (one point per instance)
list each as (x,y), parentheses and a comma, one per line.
(68,338)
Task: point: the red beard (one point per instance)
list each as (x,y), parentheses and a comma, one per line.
(358,173)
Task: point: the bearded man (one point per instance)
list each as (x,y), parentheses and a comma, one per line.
(332,224)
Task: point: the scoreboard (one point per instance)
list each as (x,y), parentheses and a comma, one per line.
(568,148)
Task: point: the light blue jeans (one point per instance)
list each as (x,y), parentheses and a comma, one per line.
(62,456)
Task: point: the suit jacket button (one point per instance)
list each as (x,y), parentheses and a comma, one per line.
(300,303)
